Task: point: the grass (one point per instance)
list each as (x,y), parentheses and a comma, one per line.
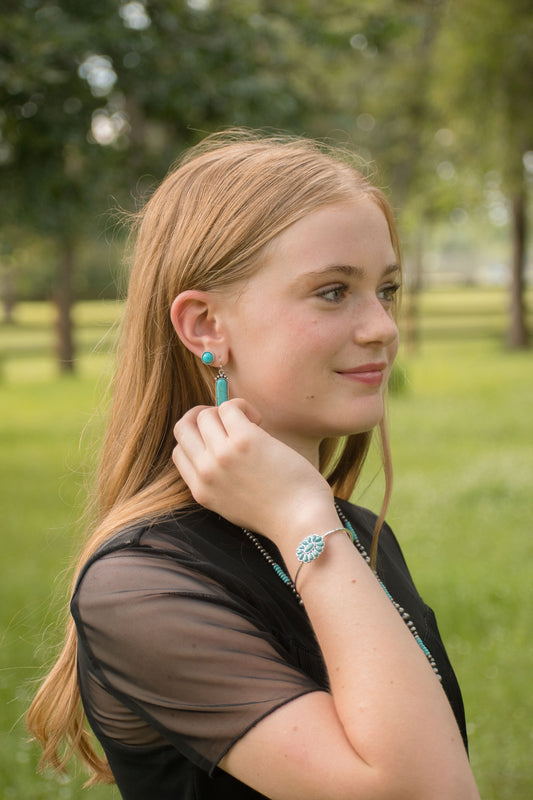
(462,437)
(463,506)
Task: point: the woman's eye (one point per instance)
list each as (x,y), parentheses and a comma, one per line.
(387,293)
(334,294)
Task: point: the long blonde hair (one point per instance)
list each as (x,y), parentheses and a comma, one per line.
(204,228)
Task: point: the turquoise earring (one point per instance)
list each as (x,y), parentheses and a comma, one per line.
(221,380)
(221,387)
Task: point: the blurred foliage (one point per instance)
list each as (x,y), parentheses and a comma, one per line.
(485,86)
(98,99)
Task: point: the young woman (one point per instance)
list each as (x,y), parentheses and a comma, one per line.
(235,634)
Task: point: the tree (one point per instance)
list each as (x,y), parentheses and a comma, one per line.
(444,96)
(484,85)
(50,172)
(100,98)
(96,95)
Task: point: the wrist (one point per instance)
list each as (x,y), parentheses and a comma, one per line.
(313,546)
(310,523)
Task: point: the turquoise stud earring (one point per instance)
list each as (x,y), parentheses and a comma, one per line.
(221,380)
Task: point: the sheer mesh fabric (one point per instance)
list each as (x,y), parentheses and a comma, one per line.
(182,653)
(187,638)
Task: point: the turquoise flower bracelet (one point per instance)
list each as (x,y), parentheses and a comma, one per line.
(313,546)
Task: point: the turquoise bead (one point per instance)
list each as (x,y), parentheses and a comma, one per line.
(208,357)
(221,388)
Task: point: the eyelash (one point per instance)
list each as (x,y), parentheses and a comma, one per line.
(385,294)
(389,292)
(340,291)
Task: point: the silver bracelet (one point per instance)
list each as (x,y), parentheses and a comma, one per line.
(312,547)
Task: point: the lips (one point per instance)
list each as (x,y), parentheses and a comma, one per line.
(377,367)
(370,374)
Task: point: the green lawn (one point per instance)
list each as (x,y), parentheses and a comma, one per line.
(462,435)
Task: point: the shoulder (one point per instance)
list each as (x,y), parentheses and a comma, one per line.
(184,531)
(176,553)
(364,522)
(359,515)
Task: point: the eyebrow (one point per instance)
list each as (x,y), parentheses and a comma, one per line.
(352,271)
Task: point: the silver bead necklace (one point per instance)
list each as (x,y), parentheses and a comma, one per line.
(276,567)
(401,611)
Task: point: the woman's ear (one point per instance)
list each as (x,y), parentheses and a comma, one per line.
(195,318)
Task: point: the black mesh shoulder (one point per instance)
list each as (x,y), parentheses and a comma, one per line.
(174,646)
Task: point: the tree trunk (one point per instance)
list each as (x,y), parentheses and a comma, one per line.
(63,300)
(414,284)
(7,290)
(517,336)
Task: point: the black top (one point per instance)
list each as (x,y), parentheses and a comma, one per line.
(187,638)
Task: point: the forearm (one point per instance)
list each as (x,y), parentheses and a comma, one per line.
(390,703)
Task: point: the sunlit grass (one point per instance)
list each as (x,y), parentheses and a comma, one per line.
(462,438)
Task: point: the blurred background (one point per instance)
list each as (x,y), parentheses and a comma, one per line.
(97,99)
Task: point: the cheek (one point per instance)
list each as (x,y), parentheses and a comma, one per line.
(393,349)
(292,358)
(392,352)
(296,339)
(309,348)
(284,343)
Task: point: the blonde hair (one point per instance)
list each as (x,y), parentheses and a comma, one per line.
(204,228)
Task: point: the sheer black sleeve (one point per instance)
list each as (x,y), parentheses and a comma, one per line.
(166,649)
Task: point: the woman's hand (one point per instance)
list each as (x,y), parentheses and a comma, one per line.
(237,469)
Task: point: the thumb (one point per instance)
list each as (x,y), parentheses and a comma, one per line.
(247,409)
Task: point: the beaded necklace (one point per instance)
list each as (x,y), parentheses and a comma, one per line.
(401,611)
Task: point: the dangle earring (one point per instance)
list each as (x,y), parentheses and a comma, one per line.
(221,379)
(221,386)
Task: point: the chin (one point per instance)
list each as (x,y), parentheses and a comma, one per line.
(364,421)
(352,431)
(361,426)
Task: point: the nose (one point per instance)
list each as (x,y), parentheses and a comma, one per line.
(374,323)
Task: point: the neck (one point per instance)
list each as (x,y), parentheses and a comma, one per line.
(308,448)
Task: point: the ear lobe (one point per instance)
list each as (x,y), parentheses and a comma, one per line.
(194,319)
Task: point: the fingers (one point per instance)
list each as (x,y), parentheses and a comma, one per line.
(209,440)
(212,422)
(187,433)
(243,406)
(191,455)
(188,419)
